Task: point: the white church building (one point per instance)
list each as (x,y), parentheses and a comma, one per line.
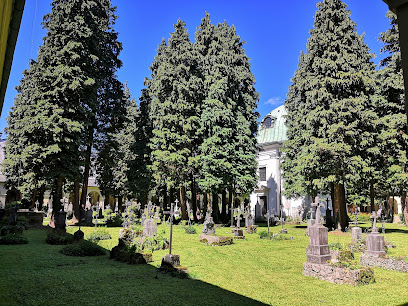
(268,193)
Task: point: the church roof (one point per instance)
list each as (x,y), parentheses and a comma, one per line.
(272,128)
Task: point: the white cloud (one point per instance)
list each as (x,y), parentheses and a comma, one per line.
(274,101)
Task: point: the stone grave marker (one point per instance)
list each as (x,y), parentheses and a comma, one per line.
(238,232)
(268,216)
(318,251)
(374,241)
(37,205)
(88,217)
(170,260)
(209,226)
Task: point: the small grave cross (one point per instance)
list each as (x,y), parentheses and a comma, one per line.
(36,205)
(172,212)
(374,216)
(238,217)
(268,216)
(87,199)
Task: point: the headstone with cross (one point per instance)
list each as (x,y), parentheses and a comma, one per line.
(374,241)
(171,261)
(209,225)
(238,232)
(268,216)
(171,214)
(37,204)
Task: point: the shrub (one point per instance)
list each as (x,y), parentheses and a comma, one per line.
(335,246)
(263,235)
(11,229)
(114,221)
(55,237)
(190,230)
(12,239)
(83,248)
(99,234)
(127,254)
(366,276)
(346,255)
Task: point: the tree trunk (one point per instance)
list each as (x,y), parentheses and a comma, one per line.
(183,204)
(224,206)
(372,195)
(41,196)
(194,198)
(56,199)
(205,206)
(231,205)
(120,202)
(215,207)
(33,198)
(339,207)
(404,207)
(76,216)
(86,171)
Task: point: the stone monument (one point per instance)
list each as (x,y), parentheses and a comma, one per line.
(375,242)
(237,231)
(318,251)
(209,226)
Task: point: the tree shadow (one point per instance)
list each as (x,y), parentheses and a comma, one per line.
(133,284)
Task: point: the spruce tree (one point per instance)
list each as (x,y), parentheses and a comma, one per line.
(227,154)
(74,72)
(174,112)
(337,108)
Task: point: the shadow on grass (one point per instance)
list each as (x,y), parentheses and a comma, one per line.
(112,282)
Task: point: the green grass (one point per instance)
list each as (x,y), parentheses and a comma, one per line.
(249,272)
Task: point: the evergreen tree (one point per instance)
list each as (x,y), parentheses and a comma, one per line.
(227,154)
(336,103)
(174,112)
(74,72)
(393,140)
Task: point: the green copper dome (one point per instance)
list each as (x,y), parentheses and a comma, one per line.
(272,128)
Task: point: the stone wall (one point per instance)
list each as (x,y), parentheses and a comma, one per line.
(337,275)
(385,263)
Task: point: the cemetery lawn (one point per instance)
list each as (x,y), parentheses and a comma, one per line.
(249,272)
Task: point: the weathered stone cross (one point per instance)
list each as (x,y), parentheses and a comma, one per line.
(238,217)
(172,212)
(268,216)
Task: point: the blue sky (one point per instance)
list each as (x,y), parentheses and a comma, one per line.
(275,32)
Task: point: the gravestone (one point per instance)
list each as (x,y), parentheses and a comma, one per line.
(60,217)
(88,217)
(318,250)
(171,261)
(209,226)
(356,234)
(150,227)
(374,241)
(237,231)
(13,215)
(79,235)
(268,216)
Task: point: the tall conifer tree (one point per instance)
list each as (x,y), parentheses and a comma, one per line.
(336,102)
(74,84)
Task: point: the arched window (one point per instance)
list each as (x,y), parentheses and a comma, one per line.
(268,122)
